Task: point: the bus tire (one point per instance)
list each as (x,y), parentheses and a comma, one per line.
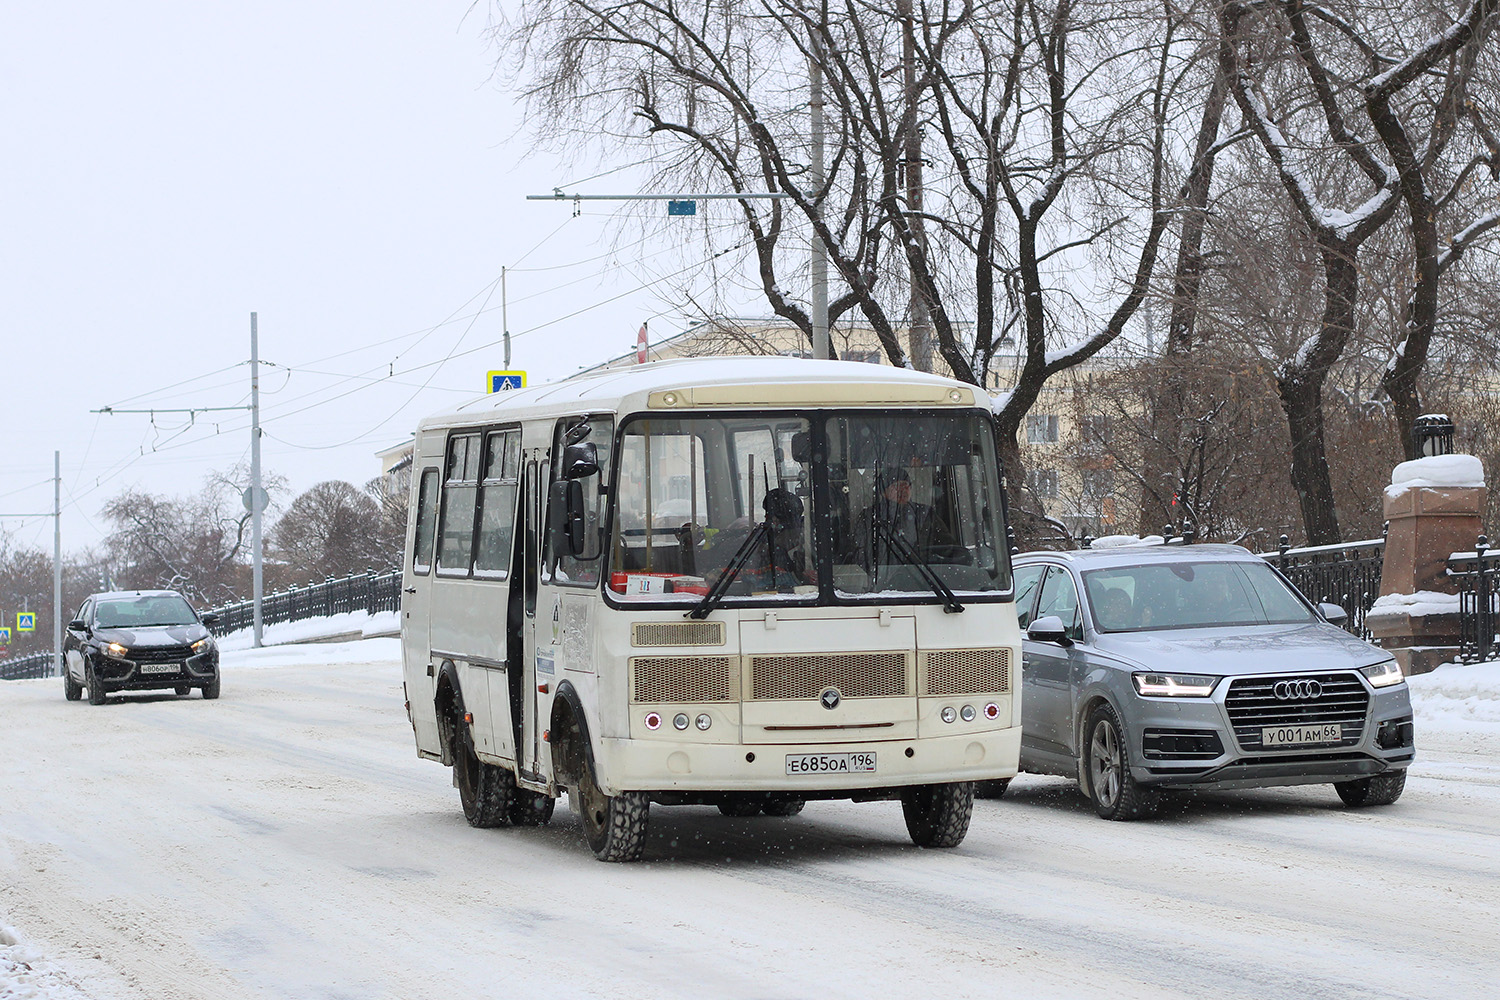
(528,808)
(938,815)
(783,805)
(614,825)
(486,791)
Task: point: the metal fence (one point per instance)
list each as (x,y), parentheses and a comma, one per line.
(26,667)
(1347,575)
(1477,575)
(369,592)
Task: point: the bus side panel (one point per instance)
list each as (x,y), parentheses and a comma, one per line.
(418,669)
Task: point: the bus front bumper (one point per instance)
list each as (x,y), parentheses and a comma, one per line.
(657,765)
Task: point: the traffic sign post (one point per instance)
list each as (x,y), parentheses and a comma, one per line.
(25,621)
(505,381)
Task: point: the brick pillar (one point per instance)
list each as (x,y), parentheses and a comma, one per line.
(1427,524)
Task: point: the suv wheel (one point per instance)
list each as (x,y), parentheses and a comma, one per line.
(1380,790)
(1115,794)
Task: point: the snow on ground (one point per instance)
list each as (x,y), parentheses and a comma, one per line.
(285,842)
(352,624)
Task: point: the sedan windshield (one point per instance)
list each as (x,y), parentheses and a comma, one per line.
(1191,595)
(140,612)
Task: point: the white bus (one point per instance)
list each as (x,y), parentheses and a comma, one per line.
(743,582)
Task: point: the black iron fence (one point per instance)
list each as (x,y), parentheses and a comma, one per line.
(1347,575)
(26,667)
(369,592)
(1477,575)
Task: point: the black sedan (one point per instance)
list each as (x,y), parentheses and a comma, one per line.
(137,641)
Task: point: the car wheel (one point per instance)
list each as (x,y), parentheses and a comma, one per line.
(614,825)
(1379,790)
(1115,794)
(938,815)
(741,806)
(72,690)
(96,689)
(783,805)
(211,689)
(991,789)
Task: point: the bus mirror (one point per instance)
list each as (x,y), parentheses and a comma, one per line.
(580,460)
(567,527)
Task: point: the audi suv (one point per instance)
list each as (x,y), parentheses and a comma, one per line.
(139,640)
(1147,668)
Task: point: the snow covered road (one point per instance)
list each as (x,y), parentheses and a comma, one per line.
(285,841)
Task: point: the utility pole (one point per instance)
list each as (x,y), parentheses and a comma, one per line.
(57,628)
(504,322)
(257,503)
(822,345)
(919,332)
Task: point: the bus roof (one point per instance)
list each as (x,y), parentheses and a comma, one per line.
(681,384)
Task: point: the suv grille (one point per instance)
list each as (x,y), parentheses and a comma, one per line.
(856,675)
(1252,705)
(159,654)
(685,678)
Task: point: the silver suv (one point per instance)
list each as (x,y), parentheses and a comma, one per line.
(1154,667)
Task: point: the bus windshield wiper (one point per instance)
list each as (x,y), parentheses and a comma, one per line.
(902,548)
(731,570)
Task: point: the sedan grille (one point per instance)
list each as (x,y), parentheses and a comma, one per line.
(1253,706)
(159,654)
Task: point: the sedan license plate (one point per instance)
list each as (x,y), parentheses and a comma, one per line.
(161,668)
(1292,736)
(830,763)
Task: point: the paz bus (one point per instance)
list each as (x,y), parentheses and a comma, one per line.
(736,582)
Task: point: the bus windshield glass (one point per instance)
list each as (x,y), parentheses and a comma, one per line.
(853,506)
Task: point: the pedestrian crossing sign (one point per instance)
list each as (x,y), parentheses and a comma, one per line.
(501,381)
(25,621)
(4,636)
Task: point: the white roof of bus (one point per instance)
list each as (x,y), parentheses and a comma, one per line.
(621,389)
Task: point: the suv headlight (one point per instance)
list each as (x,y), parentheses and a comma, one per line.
(1383,674)
(203,645)
(1174,685)
(114,649)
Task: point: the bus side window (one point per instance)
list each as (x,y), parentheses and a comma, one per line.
(460,491)
(497,504)
(421,558)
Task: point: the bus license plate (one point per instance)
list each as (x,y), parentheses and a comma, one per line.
(1291,736)
(830,763)
(160,668)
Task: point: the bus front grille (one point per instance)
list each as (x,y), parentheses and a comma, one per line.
(656,679)
(807,675)
(677,634)
(966,671)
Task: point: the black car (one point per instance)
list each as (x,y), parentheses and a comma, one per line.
(137,641)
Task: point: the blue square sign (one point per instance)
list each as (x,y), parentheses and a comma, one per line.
(503,381)
(25,621)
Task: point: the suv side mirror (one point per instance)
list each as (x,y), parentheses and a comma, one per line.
(580,460)
(1049,629)
(78,625)
(567,522)
(209,620)
(1333,613)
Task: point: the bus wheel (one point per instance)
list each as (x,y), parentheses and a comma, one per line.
(938,815)
(485,790)
(780,805)
(528,808)
(615,825)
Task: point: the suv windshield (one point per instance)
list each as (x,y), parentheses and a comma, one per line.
(1191,595)
(795,507)
(140,612)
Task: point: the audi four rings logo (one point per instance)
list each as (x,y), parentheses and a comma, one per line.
(1302,689)
(830,698)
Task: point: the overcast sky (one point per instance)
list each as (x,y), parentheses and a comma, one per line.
(351,171)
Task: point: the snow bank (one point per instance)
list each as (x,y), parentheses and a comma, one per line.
(1435,471)
(1423,602)
(311,629)
(26,974)
(1122,541)
(1457,698)
(312,654)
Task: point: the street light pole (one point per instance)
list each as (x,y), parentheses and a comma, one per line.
(57,628)
(822,346)
(256,493)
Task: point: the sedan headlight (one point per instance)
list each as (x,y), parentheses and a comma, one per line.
(114,649)
(1383,674)
(1174,685)
(203,645)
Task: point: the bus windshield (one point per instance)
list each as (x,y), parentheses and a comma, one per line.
(848,506)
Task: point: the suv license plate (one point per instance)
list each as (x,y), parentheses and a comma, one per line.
(161,668)
(1291,736)
(830,763)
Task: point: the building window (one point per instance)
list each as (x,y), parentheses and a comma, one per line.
(1043,482)
(1098,484)
(1041,428)
(869,357)
(1093,428)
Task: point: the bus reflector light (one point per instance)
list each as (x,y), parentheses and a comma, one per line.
(992,711)
(469,718)
(653,721)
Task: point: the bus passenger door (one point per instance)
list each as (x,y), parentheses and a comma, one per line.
(529,729)
(416,599)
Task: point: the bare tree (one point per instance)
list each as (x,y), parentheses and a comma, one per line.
(333,529)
